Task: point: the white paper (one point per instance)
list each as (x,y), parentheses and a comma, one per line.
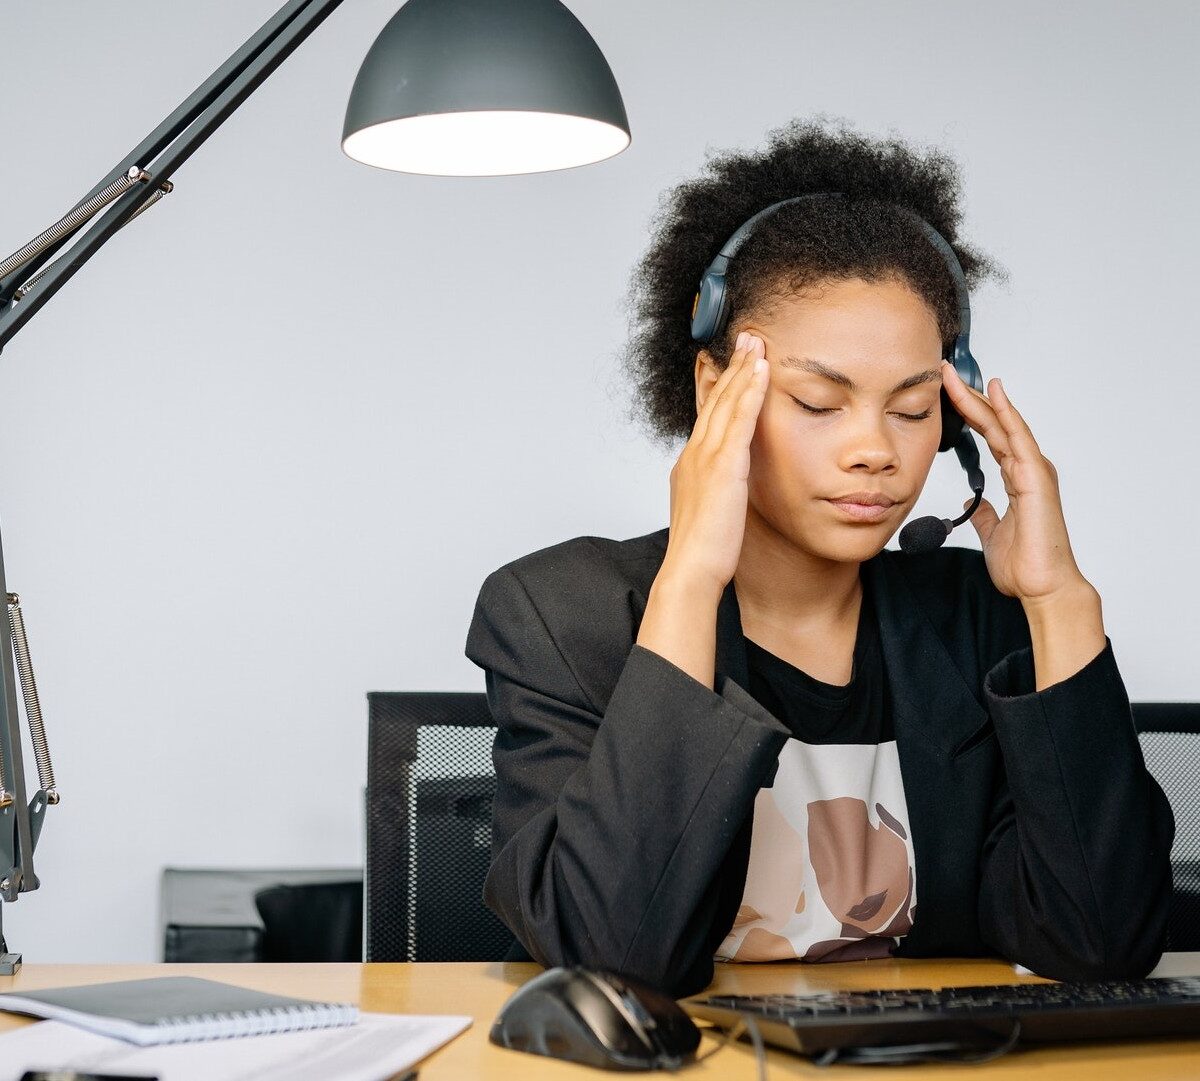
(377,1047)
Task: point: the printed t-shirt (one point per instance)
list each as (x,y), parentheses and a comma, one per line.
(831,872)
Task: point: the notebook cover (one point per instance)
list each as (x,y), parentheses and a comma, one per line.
(111,1008)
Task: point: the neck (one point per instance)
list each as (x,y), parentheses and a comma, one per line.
(783,585)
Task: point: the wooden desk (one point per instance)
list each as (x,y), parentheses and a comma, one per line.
(481,989)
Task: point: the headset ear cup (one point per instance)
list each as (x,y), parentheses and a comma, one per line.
(952,422)
(721,303)
(704,314)
(968,371)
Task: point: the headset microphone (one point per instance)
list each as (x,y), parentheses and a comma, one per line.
(928,533)
(710,310)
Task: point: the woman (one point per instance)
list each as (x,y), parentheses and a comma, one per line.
(758,734)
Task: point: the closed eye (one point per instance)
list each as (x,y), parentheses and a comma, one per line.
(907,416)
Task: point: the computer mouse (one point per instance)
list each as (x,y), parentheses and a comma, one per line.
(598,1018)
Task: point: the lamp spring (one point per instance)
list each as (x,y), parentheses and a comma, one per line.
(33,709)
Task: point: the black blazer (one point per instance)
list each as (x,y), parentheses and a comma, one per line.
(621,827)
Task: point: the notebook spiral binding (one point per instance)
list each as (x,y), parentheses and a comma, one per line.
(215,1026)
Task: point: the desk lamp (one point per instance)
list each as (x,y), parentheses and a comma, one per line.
(449,88)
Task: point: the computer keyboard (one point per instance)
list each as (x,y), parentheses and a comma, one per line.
(981,1017)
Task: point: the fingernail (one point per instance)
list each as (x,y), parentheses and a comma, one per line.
(741,340)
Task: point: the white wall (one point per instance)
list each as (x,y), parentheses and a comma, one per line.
(257,457)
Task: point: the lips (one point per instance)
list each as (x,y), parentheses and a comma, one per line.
(865,497)
(862,512)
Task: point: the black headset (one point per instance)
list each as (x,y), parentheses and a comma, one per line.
(710,311)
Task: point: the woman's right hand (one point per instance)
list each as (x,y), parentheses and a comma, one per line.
(709,488)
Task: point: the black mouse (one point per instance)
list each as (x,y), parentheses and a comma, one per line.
(598,1018)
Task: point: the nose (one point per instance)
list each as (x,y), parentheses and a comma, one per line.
(870,444)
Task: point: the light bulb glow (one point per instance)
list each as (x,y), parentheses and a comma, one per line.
(496,142)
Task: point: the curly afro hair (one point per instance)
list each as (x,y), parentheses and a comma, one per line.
(864,235)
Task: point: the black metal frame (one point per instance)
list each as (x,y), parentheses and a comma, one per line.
(1166,716)
(153,162)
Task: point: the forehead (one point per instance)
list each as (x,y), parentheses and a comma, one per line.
(852,330)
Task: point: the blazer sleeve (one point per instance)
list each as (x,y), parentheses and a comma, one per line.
(1076,872)
(610,824)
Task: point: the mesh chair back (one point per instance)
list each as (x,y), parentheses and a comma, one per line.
(430,788)
(1170,736)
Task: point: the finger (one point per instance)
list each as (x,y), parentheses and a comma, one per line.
(949,369)
(743,381)
(744,412)
(977,411)
(1021,443)
(706,407)
(705,412)
(1025,467)
(984,520)
(737,363)
(1020,437)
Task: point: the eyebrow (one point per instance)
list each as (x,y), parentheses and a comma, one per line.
(807,364)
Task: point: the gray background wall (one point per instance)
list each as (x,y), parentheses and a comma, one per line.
(258,456)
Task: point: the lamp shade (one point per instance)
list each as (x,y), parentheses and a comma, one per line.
(484,88)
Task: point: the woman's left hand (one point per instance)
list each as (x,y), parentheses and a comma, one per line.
(1027,552)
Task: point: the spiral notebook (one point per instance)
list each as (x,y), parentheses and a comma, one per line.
(174,1009)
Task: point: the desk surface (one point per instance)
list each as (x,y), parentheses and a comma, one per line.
(481,989)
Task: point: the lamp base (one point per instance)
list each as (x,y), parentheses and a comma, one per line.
(9,963)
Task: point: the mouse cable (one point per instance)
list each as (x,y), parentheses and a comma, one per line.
(745,1023)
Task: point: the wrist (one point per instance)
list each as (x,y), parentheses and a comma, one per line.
(679,623)
(1079,598)
(687,585)
(1066,631)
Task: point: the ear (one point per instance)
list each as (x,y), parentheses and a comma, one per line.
(706,375)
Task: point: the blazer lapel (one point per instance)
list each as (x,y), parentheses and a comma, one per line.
(927,686)
(731,643)
(935,712)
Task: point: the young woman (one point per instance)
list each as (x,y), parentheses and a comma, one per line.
(758,734)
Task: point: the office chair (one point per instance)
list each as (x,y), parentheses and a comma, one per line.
(430,787)
(1170,736)
(312,921)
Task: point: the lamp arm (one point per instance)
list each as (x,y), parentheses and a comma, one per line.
(133,185)
(159,155)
